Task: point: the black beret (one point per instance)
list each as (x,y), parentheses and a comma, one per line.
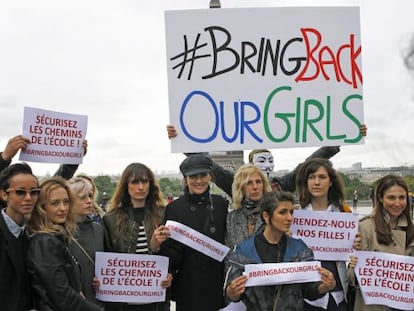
(196,164)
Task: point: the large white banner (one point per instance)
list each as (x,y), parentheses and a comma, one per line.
(386,279)
(264,77)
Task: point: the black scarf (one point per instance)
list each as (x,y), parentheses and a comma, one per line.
(198,198)
(251,210)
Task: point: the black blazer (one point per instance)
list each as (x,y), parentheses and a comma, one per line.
(14,285)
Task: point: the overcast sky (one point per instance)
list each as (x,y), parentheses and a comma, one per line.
(106,59)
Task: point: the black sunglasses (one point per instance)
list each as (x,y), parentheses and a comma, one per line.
(24,192)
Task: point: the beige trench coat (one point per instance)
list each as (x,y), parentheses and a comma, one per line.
(370,243)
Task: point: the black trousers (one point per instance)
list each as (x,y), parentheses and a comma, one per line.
(332,306)
(163,306)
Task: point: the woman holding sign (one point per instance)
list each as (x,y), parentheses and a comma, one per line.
(54,271)
(198,278)
(389,229)
(273,245)
(321,189)
(134,223)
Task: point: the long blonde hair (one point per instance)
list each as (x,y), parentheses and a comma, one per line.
(240,181)
(39,222)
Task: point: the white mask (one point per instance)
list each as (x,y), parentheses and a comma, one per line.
(264,161)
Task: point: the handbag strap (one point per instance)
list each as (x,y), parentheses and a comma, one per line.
(84,251)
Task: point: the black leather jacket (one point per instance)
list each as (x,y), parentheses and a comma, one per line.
(55,275)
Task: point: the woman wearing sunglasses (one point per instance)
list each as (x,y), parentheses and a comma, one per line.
(19,191)
(54,271)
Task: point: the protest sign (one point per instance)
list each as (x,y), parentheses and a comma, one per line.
(251,78)
(131,278)
(197,240)
(329,235)
(282,273)
(55,137)
(386,279)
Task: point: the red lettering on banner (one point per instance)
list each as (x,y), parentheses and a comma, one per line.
(320,57)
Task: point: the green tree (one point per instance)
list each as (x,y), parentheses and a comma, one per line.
(410,182)
(354,183)
(171,186)
(105,184)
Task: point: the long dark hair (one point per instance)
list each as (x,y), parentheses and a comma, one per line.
(336,190)
(121,200)
(383,229)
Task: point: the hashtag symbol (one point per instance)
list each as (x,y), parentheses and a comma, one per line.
(188,56)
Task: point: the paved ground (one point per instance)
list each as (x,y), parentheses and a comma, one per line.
(363,208)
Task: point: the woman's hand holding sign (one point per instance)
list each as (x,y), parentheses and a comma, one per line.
(236,288)
(160,235)
(327,281)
